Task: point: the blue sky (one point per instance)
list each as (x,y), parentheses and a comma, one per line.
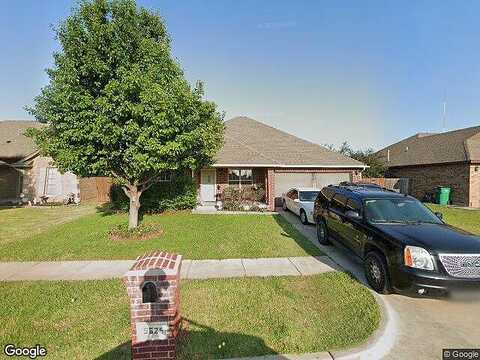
(366,72)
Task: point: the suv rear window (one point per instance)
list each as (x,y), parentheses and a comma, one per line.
(328,193)
(354,205)
(338,202)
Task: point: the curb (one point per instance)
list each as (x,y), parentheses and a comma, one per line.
(376,347)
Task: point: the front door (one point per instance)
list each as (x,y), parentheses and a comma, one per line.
(207,185)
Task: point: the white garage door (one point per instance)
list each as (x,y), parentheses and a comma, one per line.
(285,181)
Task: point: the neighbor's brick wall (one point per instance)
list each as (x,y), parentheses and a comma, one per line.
(423,179)
(475,185)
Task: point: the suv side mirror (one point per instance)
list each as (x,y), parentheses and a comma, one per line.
(353,215)
(439,215)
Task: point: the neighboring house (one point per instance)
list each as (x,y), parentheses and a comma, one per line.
(24,174)
(449,159)
(257,154)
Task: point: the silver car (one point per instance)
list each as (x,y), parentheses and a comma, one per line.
(300,201)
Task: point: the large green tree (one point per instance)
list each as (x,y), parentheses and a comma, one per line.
(376,167)
(117,103)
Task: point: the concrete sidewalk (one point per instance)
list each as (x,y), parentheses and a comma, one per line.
(416,328)
(191,269)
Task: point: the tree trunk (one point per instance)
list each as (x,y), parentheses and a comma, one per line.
(134,194)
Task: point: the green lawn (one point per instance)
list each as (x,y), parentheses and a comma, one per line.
(194,236)
(468,220)
(17,224)
(86,320)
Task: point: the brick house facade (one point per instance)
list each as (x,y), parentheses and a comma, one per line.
(462,178)
(450,159)
(265,178)
(255,154)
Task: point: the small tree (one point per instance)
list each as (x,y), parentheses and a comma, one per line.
(117,103)
(376,167)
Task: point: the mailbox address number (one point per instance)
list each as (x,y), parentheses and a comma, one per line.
(152,331)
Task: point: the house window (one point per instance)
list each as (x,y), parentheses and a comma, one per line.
(239,177)
(165,176)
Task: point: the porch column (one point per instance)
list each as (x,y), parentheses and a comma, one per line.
(270,189)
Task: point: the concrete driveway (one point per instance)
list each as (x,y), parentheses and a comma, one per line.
(424,326)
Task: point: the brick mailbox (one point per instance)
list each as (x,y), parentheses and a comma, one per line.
(153,285)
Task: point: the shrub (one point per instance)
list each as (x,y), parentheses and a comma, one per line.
(236,199)
(178,194)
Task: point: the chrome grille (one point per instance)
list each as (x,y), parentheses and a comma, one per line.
(461,265)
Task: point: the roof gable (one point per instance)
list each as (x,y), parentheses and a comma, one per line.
(422,149)
(13,142)
(250,142)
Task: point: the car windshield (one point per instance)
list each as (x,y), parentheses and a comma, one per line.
(398,211)
(308,195)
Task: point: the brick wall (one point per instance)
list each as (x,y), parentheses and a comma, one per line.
(222,179)
(475,185)
(423,179)
(270,189)
(356,176)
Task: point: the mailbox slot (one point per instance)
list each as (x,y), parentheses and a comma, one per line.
(149,292)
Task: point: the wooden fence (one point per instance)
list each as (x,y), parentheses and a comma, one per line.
(400,185)
(95,190)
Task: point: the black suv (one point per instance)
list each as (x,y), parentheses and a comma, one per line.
(405,246)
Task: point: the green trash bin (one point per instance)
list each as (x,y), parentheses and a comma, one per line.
(443,195)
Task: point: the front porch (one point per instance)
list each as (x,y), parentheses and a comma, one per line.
(217,184)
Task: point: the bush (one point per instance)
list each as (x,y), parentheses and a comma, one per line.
(236,199)
(178,194)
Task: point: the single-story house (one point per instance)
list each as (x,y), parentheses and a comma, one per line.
(450,159)
(24,174)
(254,153)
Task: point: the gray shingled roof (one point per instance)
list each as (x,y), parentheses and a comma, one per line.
(13,143)
(247,142)
(422,149)
(250,142)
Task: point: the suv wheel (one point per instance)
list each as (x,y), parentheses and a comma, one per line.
(376,272)
(284,205)
(303,217)
(322,232)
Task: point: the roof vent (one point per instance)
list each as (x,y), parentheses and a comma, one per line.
(406,148)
